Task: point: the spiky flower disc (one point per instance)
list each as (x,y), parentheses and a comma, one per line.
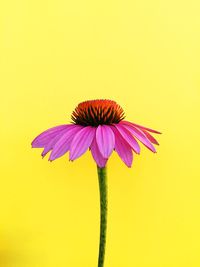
(97,112)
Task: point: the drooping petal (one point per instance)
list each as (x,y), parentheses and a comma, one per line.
(142,127)
(51,144)
(45,137)
(63,144)
(100,160)
(139,135)
(150,137)
(105,140)
(128,137)
(81,142)
(123,149)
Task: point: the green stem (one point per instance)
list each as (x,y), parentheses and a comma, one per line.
(102,175)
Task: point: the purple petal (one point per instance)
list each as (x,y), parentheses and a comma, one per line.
(101,162)
(123,149)
(64,142)
(105,140)
(51,144)
(140,126)
(81,142)
(140,136)
(128,137)
(45,137)
(150,137)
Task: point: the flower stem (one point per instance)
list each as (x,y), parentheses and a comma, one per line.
(102,175)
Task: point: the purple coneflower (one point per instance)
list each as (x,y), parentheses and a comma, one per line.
(97,125)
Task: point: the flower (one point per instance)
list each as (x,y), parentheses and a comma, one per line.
(97,125)
(100,126)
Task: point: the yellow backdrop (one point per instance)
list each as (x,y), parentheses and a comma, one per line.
(143,54)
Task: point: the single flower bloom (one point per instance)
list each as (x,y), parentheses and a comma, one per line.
(97,125)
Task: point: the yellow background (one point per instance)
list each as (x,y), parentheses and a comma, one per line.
(143,54)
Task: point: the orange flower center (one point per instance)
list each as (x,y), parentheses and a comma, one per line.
(97,112)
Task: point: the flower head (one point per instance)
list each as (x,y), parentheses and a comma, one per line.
(97,125)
